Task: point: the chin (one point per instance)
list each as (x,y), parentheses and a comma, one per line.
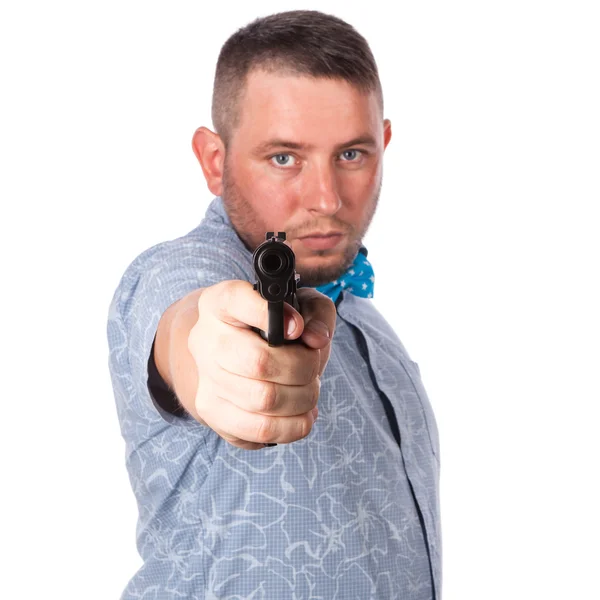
(319,268)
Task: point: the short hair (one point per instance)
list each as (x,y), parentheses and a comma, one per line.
(299,42)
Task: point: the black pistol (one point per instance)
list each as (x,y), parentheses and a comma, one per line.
(277,282)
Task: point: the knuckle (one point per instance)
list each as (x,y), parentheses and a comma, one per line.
(316,390)
(327,305)
(266,430)
(305,427)
(221,352)
(225,292)
(207,397)
(266,400)
(316,365)
(260,363)
(211,291)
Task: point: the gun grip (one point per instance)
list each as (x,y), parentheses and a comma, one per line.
(275,334)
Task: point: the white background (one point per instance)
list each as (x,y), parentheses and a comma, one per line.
(485,248)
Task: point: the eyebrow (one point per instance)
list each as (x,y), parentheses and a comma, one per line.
(364,140)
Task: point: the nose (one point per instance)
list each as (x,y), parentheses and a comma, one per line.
(321,192)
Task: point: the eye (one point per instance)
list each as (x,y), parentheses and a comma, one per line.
(351,155)
(283,160)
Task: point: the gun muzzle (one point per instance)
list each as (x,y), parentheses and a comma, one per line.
(277,282)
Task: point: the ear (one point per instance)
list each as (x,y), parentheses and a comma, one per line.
(210,152)
(387,132)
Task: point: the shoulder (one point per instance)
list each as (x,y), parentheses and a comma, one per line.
(209,253)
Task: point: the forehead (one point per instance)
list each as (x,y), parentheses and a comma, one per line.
(312,110)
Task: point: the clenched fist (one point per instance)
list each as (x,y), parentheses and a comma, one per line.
(248,392)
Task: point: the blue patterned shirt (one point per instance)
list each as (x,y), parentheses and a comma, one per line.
(350,511)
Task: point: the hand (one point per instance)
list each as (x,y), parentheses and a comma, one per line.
(248,392)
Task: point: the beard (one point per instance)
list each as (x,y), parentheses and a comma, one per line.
(251,229)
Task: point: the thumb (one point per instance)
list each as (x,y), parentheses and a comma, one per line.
(319,317)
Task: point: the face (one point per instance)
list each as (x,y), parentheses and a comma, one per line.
(306,158)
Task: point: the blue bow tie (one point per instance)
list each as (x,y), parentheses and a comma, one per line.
(359,279)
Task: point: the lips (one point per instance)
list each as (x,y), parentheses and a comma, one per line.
(318,234)
(321,242)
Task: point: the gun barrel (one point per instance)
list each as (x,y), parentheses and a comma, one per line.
(277,282)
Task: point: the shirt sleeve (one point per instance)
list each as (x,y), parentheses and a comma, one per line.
(162,395)
(157,278)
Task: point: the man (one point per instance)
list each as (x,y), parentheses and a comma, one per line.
(346,505)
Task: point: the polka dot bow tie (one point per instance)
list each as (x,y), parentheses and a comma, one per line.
(359,279)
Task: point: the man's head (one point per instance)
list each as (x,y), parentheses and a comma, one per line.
(300,136)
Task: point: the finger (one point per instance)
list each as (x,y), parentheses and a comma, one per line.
(265,397)
(228,420)
(237,303)
(293,323)
(245,353)
(316,307)
(230,439)
(204,404)
(319,315)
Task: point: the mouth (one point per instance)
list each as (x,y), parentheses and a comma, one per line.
(322,242)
